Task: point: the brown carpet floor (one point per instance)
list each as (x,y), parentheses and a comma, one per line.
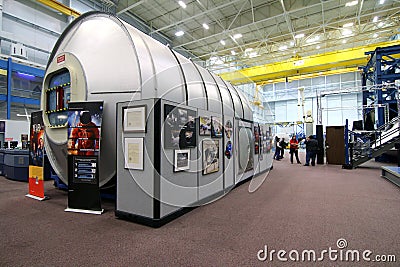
(296,208)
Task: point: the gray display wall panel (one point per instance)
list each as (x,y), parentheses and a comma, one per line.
(177,189)
(135,188)
(211,183)
(229,164)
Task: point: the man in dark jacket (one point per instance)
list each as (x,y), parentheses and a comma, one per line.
(311,150)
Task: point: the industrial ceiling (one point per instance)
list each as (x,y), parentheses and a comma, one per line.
(244,33)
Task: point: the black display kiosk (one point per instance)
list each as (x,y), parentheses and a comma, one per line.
(84,128)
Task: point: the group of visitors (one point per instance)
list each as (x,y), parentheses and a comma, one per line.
(311,149)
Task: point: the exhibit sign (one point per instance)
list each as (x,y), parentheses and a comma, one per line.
(134,153)
(36,152)
(84,134)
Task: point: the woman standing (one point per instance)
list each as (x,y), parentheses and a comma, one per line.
(294,149)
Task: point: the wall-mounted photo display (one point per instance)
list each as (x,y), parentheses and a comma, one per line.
(228,129)
(210,156)
(268,140)
(134,156)
(216,127)
(181,160)
(205,126)
(179,127)
(135,119)
(228,150)
(256,139)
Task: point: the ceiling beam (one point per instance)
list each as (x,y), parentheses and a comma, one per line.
(197,15)
(131,6)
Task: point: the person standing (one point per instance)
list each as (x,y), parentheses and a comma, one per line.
(282,144)
(294,149)
(311,150)
(277,154)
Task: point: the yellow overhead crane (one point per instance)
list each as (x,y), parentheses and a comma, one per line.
(341,61)
(60,7)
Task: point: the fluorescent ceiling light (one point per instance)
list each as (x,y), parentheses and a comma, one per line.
(312,40)
(237,36)
(253,54)
(233,53)
(179,33)
(25,75)
(222,42)
(300,35)
(352,3)
(182,4)
(205,26)
(346,32)
(348,24)
(283,47)
(23,115)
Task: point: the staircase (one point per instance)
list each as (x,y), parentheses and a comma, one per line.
(364,147)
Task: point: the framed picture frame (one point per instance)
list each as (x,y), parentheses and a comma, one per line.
(181,160)
(134,153)
(211,158)
(216,127)
(135,119)
(204,126)
(179,127)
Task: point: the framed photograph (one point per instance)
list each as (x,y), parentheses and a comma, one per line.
(210,156)
(216,127)
(179,127)
(205,126)
(134,155)
(135,119)
(228,129)
(181,160)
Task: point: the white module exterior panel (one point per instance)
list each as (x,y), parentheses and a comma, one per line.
(146,64)
(248,112)
(237,102)
(195,86)
(90,48)
(111,61)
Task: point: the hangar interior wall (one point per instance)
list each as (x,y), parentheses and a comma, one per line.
(332,99)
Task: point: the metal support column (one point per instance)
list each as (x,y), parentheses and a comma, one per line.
(9,87)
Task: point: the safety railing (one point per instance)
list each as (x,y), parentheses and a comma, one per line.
(362,146)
